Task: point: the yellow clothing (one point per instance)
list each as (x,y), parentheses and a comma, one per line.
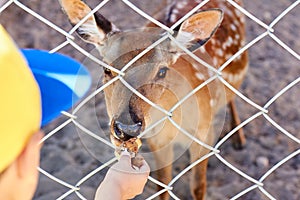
(20,101)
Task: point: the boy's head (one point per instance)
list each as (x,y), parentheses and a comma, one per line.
(20,118)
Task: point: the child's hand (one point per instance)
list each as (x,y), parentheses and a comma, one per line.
(123,181)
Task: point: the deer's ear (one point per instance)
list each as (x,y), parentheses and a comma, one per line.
(95,29)
(199,28)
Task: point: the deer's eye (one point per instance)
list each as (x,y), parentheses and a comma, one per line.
(162,72)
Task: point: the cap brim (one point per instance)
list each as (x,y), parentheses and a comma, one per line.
(62,80)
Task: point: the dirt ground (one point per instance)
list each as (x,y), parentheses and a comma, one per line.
(70,154)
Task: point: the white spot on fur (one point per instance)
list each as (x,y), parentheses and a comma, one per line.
(213,42)
(230,78)
(181,5)
(220,52)
(195,66)
(230,41)
(224,46)
(235,42)
(234,78)
(238,13)
(200,76)
(228,55)
(175,11)
(242,19)
(233,27)
(215,61)
(229,12)
(243,42)
(236,22)
(173,18)
(212,102)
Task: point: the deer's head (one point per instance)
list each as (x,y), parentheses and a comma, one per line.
(151,74)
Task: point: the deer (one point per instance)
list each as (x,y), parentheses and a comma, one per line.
(218,29)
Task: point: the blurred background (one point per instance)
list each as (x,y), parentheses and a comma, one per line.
(70,155)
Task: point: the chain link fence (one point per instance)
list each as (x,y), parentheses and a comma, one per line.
(269,166)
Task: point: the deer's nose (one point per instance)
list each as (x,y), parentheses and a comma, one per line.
(125,132)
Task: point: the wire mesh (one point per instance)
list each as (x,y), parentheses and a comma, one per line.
(261,110)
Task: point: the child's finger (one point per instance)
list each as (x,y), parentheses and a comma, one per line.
(125,158)
(145,167)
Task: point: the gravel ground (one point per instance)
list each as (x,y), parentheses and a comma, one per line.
(70,155)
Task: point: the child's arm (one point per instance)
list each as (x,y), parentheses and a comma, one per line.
(122,181)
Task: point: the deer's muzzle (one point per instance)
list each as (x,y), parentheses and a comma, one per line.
(125,132)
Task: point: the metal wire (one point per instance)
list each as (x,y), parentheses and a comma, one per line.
(214,150)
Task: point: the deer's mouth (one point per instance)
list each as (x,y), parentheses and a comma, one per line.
(132,145)
(125,131)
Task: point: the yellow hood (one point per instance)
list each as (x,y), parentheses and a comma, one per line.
(20,101)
